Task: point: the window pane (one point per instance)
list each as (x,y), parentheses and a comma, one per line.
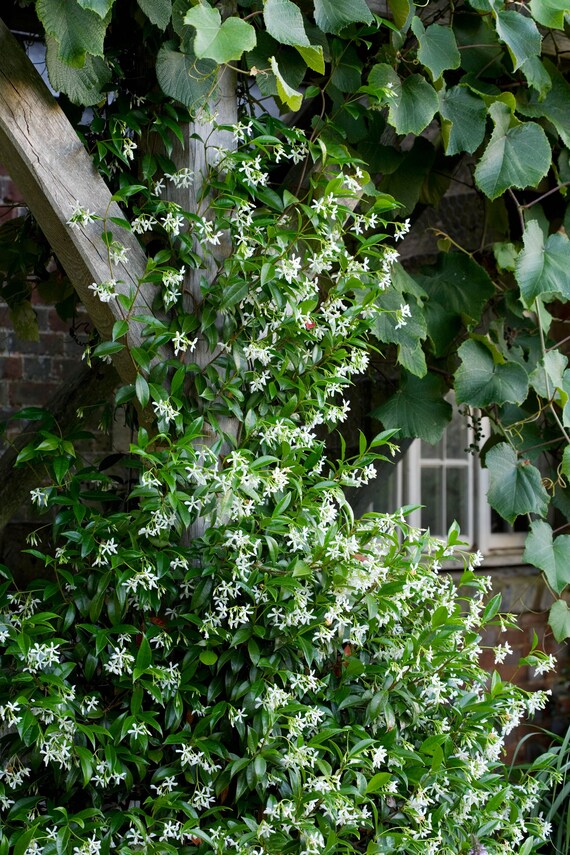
(456,435)
(429,451)
(457,498)
(432,498)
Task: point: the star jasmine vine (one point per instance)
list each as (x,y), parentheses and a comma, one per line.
(224,658)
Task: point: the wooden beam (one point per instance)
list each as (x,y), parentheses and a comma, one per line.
(52,169)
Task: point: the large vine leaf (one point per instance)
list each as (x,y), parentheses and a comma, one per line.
(559,620)
(554,106)
(158,12)
(480,381)
(542,265)
(551,555)
(333,15)
(77,31)
(284,21)
(418,408)
(550,13)
(518,155)
(515,485)
(437,47)
(83,86)
(520,34)
(464,117)
(458,290)
(181,77)
(221,41)
(413,102)
(537,76)
(407,334)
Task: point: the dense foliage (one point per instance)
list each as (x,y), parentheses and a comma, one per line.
(427,97)
(289,678)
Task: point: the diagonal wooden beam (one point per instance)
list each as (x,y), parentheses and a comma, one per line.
(52,169)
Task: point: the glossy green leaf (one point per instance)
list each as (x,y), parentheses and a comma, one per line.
(284,22)
(520,34)
(333,15)
(437,47)
(465,117)
(551,555)
(84,85)
(286,93)
(417,408)
(77,31)
(158,12)
(181,77)
(518,155)
(479,381)
(542,265)
(559,620)
(220,41)
(515,485)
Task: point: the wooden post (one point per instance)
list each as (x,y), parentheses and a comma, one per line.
(53,171)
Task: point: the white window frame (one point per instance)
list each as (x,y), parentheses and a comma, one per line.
(501,548)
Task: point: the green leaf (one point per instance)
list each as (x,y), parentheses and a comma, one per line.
(141,390)
(407,335)
(333,15)
(550,13)
(552,556)
(144,658)
(158,12)
(520,34)
(286,93)
(284,22)
(437,47)
(465,116)
(559,620)
(515,485)
(378,781)
(542,265)
(100,7)
(537,76)
(554,106)
(418,408)
(208,657)
(77,31)
(313,56)
(84,85)
(458,290)
(180,76)
(549,374)
(565,466)
(221,41)
(518,155)
(414,102)
(479,381)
